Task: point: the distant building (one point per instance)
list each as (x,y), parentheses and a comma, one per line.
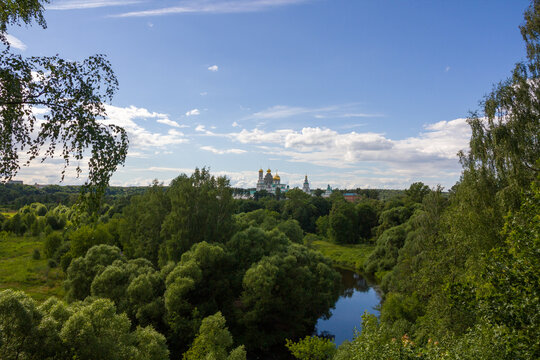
(328,192)
(305,187)
(270,183)
(17,182)
(351,197)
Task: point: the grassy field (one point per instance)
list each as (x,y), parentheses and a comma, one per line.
(350,257)
(18,270)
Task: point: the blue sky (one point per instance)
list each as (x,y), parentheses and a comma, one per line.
(353,93)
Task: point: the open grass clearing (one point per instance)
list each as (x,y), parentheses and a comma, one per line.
(350,257)
(19,271)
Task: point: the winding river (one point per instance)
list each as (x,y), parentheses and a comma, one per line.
(356,297)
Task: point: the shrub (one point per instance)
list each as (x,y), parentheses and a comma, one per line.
(52,243)
(36,254)
(52,263)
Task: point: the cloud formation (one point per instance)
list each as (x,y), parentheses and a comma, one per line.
(193,112)
(88,4)
(221,152)
(333,111)
(213,68)
(16,43)
(140,137)
(439,142)
(213,7)
(170,123)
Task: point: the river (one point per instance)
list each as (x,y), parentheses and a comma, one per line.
(356,297)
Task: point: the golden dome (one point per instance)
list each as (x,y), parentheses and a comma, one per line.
(269,171)
(260,170)
(276,177)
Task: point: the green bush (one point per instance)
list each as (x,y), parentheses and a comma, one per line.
(52,243)
(36,255)
(52,263)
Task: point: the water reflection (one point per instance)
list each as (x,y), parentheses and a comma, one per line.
(352,282)
(356,297)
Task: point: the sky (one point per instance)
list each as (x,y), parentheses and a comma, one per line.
(351,93)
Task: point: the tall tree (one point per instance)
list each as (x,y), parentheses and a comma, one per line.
(201,210)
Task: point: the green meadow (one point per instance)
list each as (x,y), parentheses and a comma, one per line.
(350,257)
(19,270)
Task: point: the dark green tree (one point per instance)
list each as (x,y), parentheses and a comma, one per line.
(275,305)
(201,210)
(140,229)
(343,223)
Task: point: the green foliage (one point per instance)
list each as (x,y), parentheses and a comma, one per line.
(263,218)
(82,270)
(367,220)
(18,270)
(292,229)
(140,229)
(51,244)
(75,124)
(17,12)
(112,283)
(197,287)
(351,257)
(36,255)
(312,348)
(385,255)
(149,345)
(201,210)
(87,236)
(343,223)
(417,191)
(213,342)
(19,319)
(251,245)
(510,297)
(56,222)
(299,207)
(275,307)
(322,225)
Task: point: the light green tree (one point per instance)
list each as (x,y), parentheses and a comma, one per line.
(312,348)
(214,341)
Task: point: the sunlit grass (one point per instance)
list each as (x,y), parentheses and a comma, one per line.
(18,270)
(350,257)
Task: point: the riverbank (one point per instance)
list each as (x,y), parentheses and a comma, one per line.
(351,257)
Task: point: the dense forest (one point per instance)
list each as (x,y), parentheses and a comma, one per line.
(187,271)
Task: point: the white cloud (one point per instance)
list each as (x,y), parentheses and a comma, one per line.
(16,43)
(88,4)
(214,7)
(235,124)
(221,152)
(257,136)
(204,93)
(333,111)
(433,150)
(213,68)
(447,69)
(139,137)
(193,112)
(170,123)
